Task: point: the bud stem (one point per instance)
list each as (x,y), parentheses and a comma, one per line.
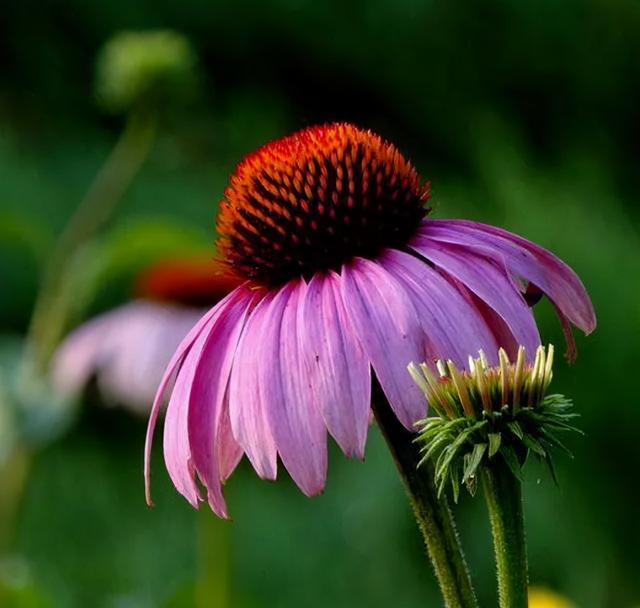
(433,515)
(503,493)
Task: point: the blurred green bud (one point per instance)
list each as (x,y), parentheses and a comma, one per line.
(136,68)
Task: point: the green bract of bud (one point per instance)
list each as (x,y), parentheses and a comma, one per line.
(144,67)
(487,412)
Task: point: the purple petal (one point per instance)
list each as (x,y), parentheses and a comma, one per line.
(177,450)
(229,451)
(175,362)
(500,330)
(388,328)
(454,326)
(295,419)
(489,282)
(207,397)
(525,259)
(249,421)
(337,370)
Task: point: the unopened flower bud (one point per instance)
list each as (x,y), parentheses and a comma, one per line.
(484,411)
(144,67)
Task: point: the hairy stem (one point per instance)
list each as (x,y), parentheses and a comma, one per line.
(433,515)
(503,493)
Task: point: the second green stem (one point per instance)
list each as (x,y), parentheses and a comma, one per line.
(503,494)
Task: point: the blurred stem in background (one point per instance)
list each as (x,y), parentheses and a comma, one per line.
(55,299)
(433,515)
(138,74)
(214,560)
(61,295)
(13,475)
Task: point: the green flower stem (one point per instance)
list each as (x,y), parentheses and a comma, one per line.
(503,493)
(56,296)
(433,515)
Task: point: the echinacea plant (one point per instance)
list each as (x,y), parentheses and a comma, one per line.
(346,279)
(486,421)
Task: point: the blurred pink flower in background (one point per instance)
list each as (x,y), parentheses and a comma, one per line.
(127,349)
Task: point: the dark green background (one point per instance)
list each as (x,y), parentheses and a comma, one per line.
(524,114)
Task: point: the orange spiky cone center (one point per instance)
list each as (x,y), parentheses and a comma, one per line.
(314,200)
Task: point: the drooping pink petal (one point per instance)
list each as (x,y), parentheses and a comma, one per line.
(229,451)
(572,351)
(208,388)
(495,324)
(489,281)
(502,334)
(336,367)
(247,412)
(452,323)
(176,447)
(387,326)
(175,362)
(525,259)
(296,422)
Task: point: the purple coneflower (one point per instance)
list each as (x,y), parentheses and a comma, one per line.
(127,349)
(344,273)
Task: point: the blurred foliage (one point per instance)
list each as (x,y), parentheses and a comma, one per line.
(30,412)
(525,114)
(539,597)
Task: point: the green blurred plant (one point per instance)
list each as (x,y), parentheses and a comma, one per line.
(17,590)
(139,75)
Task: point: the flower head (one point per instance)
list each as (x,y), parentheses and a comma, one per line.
(127,349)
(344,274)
(486,410)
